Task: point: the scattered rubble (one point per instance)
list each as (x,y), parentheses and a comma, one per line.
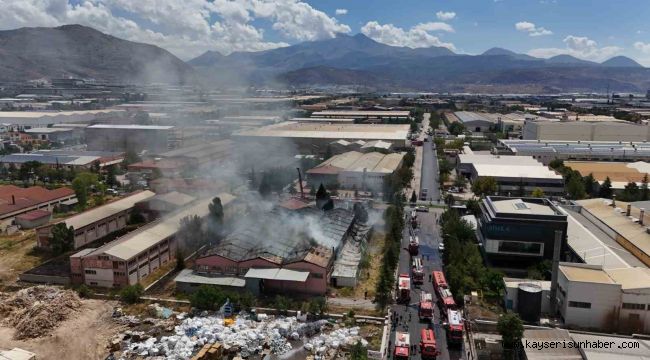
(37,310)
(243,336)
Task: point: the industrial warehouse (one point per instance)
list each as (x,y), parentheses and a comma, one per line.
(289,251)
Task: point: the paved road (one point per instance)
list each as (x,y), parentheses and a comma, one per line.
(429,239)
(429,176)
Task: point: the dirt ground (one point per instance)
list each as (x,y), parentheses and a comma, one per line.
(17,254)
(369,276)
(84,336)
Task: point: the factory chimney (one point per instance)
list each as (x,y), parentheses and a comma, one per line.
(302,191)
(557,248)
(641,215)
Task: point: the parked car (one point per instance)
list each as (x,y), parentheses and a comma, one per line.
(441,247)
(422,208)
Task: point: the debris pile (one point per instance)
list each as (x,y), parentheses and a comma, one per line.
(321,345)
(35,311)
(242,336)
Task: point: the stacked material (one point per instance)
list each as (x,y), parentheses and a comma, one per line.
(35,311)
(343,337)
(244,336)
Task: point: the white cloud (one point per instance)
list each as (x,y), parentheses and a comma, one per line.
(642,47)
(580,47)
(341,11)
(185,27)
(532,29)
(415,37)
(445,15)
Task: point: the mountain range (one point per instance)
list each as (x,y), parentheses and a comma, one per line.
(74,50)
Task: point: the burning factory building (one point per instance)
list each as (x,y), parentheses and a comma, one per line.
(277,251)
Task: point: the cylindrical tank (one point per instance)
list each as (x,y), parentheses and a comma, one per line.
(529,302)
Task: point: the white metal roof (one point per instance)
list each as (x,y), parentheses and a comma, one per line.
(188,276)
(522,171)
(102,212)
(277,274)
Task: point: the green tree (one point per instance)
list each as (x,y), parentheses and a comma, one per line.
(82,184)
(131,157)
(111,179)
(215,222)
(473,206)
(605,190)
(62,238)
(645,193)
(414,197)
(576,188)
(590,184)
(511,329)
(131,294)
(456,128)
(207,297)
(191,234)
(484,186)
(282,303)
(358,352)
(630,192)
(492,283)
(537,192)
(556,164)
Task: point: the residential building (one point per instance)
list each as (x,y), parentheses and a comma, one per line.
(96,223)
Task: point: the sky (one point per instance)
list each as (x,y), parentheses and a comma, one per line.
(588,29)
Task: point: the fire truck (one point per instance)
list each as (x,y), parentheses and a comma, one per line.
(414,219)
(402,346)
(428,346)
(418,271)
(445,297)
(403,289)
(425,309)
(454,327)
(414,245)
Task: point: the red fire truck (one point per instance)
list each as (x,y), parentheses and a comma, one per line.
(454,327)
(403,289)
(428,346)
(425,310)
(402,346)
(445,297)
(414,245)
(414,219)
(417,270)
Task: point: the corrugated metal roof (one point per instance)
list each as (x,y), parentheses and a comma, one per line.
(277,274)
(188,276)
(102,212)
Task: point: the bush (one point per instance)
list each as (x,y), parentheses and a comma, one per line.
(207,298)
(131,294)
(84,291)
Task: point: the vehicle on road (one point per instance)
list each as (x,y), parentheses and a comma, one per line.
(414,219)
(422,208)
(417,142)
(441,247)
(402,346)
(423,194)
(428,346)
(414,245)
(445,297)
(425,307)
(403,289)
(417,269)
(454,327)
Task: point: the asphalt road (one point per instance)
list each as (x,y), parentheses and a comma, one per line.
(429,175)
(429,237)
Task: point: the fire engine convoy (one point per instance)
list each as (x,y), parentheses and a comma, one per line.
(428,346)
(402,346)
(425,309)
(403,289)
(418,271)
(414,245)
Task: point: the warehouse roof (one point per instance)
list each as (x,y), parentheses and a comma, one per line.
(47,130)
(617,149)
(469,116)
(147,236)
(497,160)
(14,198)
(353,113)
(222,147)
(631,278)
(321,119)
(520,206)
(130,127)
(91,216)
(188,276)
(557,336)
(331,131)
(585,273)
(38,114)
(616,220)
(518,171)
(356,161)
(622,348)
(277,274)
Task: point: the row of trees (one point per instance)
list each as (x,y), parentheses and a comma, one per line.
(463,262)
(394,220)
(580,187)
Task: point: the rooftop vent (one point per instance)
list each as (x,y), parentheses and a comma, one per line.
(521,206)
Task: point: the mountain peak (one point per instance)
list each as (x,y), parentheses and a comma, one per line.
(621,61)
(498,51)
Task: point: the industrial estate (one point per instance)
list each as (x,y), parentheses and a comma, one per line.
(149,220)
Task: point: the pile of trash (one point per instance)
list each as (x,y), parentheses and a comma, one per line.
(35,311)
(241,335)
(320,345)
